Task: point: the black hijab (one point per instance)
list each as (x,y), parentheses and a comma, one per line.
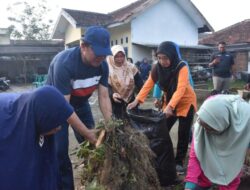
(167,77)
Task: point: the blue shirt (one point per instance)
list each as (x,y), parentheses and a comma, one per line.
(69,74)
(223,68)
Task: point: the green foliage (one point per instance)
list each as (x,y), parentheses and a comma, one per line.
(94,185)
(30,22)
(86,149)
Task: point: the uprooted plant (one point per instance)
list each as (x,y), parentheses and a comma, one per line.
(123,160)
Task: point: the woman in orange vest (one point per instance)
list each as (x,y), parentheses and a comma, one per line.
(179,99)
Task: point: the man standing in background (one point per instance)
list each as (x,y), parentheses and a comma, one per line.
(222,63)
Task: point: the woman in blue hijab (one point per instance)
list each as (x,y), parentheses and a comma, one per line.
(27,122)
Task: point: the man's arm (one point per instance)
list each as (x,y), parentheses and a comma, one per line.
(214,61)
(233,67)
(104,102)
(233,71)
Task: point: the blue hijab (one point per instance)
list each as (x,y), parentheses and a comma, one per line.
(27,158)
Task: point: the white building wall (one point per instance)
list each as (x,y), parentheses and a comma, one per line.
(121,36)
(141,52)
(72,34)
(4,40)
(164,21)
(4,36)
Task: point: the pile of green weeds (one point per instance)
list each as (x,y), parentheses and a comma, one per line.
(123,161)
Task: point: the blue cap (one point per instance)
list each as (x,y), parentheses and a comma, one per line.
(98,37)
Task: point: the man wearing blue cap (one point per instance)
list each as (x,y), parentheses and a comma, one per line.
(77,72)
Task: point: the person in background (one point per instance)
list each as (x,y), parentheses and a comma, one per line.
(27,124)
(137,64)
(220,142)
(179,101)
(222,63)
(123,80)
(130,60)
(77,72)
(144,69)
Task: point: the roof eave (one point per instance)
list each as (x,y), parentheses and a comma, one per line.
(115,24)
(57,34)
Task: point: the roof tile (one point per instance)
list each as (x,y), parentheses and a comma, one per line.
(237,33)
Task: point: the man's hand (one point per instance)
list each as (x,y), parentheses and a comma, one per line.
(214,62)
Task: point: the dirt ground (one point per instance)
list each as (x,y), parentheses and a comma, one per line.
(97,116)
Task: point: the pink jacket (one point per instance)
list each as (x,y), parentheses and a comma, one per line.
(195,174)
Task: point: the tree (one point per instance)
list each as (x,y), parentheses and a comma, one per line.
(31,22)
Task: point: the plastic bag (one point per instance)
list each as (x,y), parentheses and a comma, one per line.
(149,121)
(153,124)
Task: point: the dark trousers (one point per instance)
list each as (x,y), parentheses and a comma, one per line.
(65,172)
(184,128)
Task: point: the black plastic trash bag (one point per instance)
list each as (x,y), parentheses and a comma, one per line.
(164,161)
(153,124)
(149,121)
